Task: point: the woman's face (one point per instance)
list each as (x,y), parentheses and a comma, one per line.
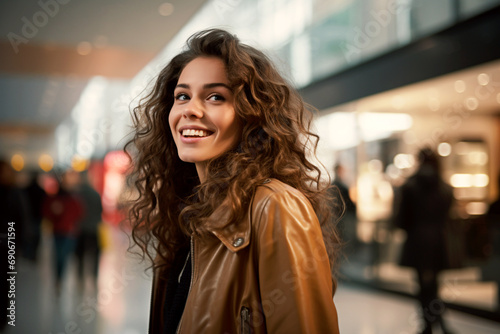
(202,119)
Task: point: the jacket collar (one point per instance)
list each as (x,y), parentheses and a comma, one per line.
(234,236)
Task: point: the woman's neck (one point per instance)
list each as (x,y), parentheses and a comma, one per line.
(201,169)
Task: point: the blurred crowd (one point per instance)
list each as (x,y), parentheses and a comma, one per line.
(66,206)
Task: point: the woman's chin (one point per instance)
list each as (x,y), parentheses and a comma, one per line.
(190,158)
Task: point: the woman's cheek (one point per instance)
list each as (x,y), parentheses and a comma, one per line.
(172,120)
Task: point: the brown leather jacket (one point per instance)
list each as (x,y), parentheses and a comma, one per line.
(269,274)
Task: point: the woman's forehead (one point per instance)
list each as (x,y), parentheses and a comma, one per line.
(204,70)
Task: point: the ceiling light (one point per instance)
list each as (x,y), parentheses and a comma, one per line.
(46,162)
(403,161)
(166,9)
(461,180)
(471,103)
(483,79)
(469,180)
(17,162)
(477,158)
(79,164)
(444,149)
(480,180)
(476,208)
(459,86)
(392,171)
(375,126)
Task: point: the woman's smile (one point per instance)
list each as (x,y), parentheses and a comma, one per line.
(194,134)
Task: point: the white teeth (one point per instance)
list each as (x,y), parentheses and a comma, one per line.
(194,133)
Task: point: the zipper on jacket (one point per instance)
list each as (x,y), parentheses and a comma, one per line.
(245,320)
(183,268)
(190,283)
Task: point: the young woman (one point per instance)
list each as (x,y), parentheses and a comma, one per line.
(229,201)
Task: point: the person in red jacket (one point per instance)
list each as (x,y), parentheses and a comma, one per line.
(64,210)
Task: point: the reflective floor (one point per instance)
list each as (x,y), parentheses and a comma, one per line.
(120,304)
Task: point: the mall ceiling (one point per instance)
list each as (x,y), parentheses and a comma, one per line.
(50,48)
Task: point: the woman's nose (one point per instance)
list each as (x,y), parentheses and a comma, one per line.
(193,109)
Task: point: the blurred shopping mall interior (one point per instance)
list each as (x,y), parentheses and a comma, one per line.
(386,78)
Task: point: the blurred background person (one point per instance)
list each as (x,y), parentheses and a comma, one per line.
(347,224)
(64,210)
(87,246)
(36,196)
(422,210)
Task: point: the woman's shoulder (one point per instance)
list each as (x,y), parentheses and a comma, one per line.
(274,188)
(281,196)
(280,209)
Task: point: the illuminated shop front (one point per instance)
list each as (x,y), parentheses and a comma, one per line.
(376,138)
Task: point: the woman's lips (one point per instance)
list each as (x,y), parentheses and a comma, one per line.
(190,136)
(195,133)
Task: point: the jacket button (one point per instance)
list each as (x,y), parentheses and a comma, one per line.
(238,242)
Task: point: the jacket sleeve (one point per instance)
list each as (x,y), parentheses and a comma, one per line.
(294,272)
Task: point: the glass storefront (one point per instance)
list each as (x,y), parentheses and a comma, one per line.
(376,140)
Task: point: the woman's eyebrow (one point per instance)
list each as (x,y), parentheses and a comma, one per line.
(216,84)
(182,86)
(205,86)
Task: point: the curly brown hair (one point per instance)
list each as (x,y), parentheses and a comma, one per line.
(275,143)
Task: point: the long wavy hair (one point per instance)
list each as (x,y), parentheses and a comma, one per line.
(275,143)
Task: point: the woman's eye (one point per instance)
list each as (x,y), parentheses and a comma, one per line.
(181,97)
(216,97)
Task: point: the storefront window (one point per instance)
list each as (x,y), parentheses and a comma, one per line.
(378,150)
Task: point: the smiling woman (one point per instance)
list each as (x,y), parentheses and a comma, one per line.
(228,198)
(202,120)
